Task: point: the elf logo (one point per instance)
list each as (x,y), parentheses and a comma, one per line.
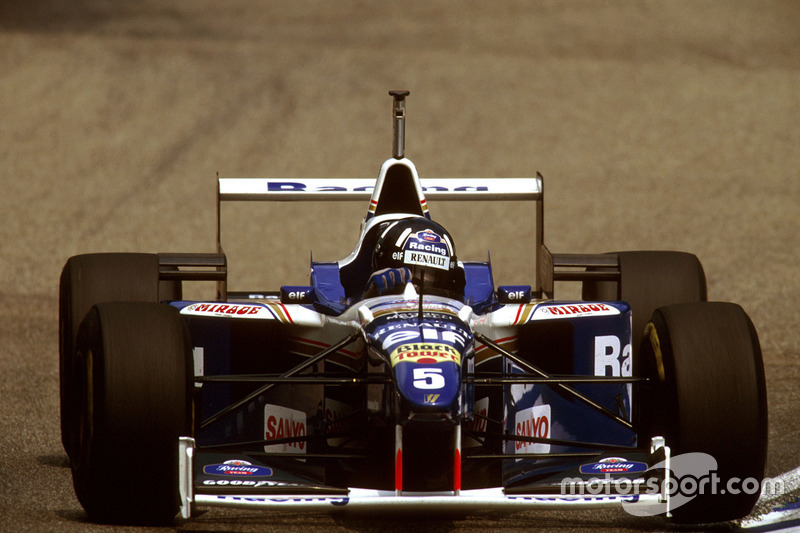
(284,423)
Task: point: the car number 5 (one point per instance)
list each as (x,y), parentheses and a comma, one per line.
(428,378)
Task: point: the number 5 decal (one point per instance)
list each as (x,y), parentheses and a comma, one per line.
(428,378)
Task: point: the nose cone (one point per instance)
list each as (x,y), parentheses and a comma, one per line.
(426,353)
(428,375)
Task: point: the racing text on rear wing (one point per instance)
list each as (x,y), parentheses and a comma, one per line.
(249,189)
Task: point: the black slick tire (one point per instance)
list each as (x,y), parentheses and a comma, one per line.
(707,394)
(130,402)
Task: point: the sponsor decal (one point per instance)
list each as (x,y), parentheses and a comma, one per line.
(338,502)
(462,188)
(426,333)
(428,235)
(242,483)
(633,498)
(296,186)
(337,420)
(300,294)
(544,312)
(267,310)
(426,241)
(514,293)
(425,353)
(284,423)
(533,422)
(355,185)
(433,310)
(480,412)
(217,309)
(613,465)
(610,358)
(335,412)
(402,314)
(426,324)
(198,360)
(238,468)
(441,262)
(426,248)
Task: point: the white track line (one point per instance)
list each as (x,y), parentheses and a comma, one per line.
(775,493)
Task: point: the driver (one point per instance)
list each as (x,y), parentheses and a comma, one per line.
(419,251)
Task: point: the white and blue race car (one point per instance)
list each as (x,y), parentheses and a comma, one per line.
(402,377)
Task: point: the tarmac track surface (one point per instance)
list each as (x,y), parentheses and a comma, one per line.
(656,125)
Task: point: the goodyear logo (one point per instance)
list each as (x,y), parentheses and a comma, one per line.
(425,353)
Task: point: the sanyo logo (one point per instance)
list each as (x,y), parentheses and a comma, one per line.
(284,423)
(533,422)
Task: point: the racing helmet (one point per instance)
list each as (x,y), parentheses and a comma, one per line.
(426,249)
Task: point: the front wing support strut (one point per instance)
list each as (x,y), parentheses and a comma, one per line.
(299,368)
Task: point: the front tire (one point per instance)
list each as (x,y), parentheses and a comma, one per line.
(708,395)
(130,402)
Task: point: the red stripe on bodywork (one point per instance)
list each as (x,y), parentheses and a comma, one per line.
(286,312)
(519,311)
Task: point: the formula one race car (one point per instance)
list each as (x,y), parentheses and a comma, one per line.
(402,377)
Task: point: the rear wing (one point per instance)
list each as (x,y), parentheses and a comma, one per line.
(550,267)
(415,191)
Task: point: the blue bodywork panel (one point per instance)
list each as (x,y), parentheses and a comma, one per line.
(579,345)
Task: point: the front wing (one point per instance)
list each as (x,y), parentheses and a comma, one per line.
(285,491)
